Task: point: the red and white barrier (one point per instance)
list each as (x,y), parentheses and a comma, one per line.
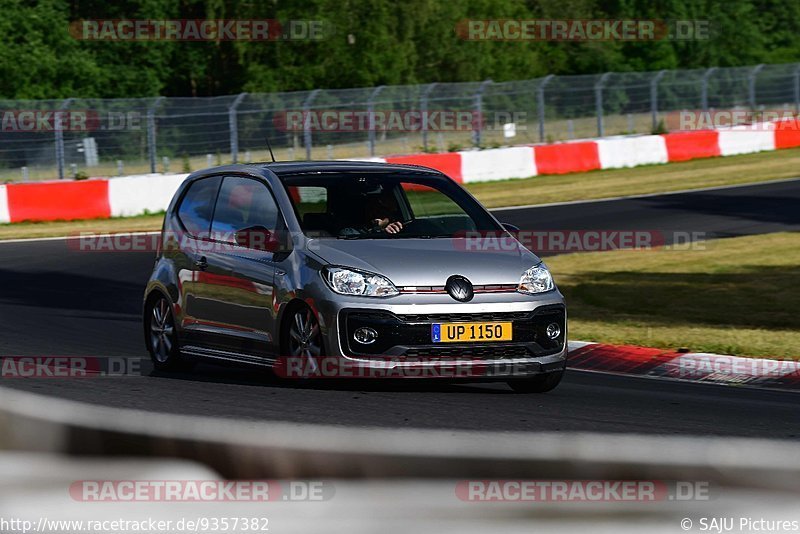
(449,163)
(683,146)
(147,193)
(563,158)
(4,216)
(627,151)
(52,201)
(787,133)
(135,195)
(741,140)
(498,164)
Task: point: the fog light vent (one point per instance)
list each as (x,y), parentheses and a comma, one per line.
(553,330)
(365,335)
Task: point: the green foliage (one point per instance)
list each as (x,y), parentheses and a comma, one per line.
(368,43)
(454,147)
(660,129)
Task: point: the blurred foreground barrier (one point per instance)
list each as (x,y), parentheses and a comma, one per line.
(38,494)
(246,449)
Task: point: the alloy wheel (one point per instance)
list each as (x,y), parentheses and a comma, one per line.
(304,337)
(162,329)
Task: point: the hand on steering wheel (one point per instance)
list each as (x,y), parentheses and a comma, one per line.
(389,227)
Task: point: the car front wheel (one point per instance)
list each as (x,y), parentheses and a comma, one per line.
(302,340)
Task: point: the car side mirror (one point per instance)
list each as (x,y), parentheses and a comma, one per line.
(259,238)
(514,229)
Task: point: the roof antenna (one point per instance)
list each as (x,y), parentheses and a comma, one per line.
(270,150)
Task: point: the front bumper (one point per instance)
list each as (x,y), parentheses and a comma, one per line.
(404,323)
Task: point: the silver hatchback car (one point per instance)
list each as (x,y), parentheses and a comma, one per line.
(350,270)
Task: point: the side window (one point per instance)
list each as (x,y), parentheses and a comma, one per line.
(243,203)
(197,206)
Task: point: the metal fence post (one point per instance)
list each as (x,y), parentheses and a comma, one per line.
(423,108)
(540,103)
(704,88)
(598,102)
(60,138)
(307,121)
(151,132)
(751,85)
(233,125)
(478,109)
(370,112)
(654,96)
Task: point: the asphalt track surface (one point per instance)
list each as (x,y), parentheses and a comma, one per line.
(57,301)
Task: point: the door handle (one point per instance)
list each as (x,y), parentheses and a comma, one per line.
(201,263)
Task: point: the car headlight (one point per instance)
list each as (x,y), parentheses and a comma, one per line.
(535,280)
(359,283)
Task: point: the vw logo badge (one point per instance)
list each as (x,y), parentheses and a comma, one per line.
(459,288)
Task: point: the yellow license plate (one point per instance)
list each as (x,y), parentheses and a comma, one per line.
(470,332)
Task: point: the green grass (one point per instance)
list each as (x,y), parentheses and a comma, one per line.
(27,230)
(738,296)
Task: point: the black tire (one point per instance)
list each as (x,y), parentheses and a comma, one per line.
(162,336)
(537,384)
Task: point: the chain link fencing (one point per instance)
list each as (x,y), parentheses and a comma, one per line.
(107,137)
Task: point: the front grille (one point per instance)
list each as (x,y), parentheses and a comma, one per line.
(498,352)
(409,335)
(465,317)
(493,288)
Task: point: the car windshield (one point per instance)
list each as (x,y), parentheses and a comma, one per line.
(379,206)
